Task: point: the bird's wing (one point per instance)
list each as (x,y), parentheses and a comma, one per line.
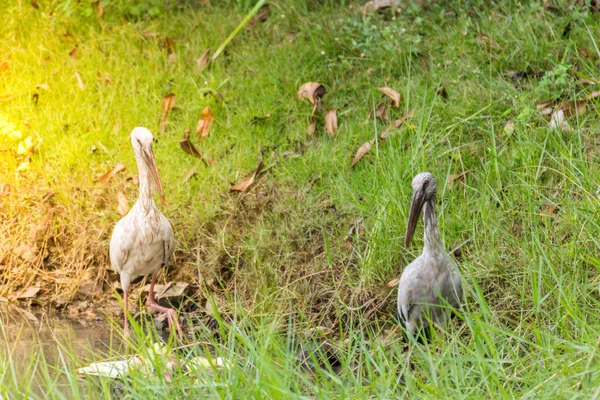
(168,239)
(121,244)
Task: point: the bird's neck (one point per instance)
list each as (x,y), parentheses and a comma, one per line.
(145,199)
(433,240)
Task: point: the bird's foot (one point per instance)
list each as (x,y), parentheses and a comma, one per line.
(172,320)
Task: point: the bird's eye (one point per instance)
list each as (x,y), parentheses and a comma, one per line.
(425,184)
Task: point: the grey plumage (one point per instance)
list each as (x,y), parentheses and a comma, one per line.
(142,241)
(430,287)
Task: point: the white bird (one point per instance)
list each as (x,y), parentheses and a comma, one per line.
(430,287)
(142,242)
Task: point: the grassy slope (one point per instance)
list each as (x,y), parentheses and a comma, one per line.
(530,322)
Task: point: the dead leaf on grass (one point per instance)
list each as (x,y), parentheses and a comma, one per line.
(28,293)
(203,60)
(331,124)
(558,121)
(509,128)
(312,91)
(117,168)
(74,51)
(575,107)
(79,81)
(393,283)
(245,183)
(188,146)
(482,38)
(123,206)
(205,123)
(168,102)
(362,150)
(392,94)
(169,46)
(549,209)
(261,16)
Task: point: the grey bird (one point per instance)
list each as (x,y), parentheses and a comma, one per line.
(142,242)
(430,287)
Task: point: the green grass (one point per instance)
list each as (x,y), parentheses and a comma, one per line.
(275,258)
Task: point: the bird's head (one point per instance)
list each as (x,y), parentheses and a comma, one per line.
(141,140)
(424,189)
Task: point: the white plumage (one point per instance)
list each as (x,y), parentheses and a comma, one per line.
(142,241)
(430,287)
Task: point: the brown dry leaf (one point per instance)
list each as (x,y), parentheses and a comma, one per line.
(188,147)
(167,105)
(399,122)
(74,51)
(485,39)
(79,81)
(383,113)
(392,94)
(549,209)
(312,91)
(575,107)
(362,150)
(123,206)
(594,94)
(169,46)
(203,60)
(545,107)
(117,168)
(190,173)
(245,183)
(509,128)
(205,123)
(393,283)
(585,81)
(28,293)
(331,124)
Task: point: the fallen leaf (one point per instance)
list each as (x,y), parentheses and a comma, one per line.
(167,105)
(203,60)
(188,147)
(117,168)
(393,283)
(362,150)
(74,51)
(545,107)
(79,81)
(593,95)
(169,46)
(172,291)
(312,91)
(383,113)
(190,173)
(123,206)
(392,94)
(376,5)
(485,39)
(509,128)
(575,107)
(549,209)
(558,120)
(205,123)
(28,293)
(585,81)
(110,369)
(245,183)
(331,124)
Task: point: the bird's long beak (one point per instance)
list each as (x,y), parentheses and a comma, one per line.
(151,162)
(413,217)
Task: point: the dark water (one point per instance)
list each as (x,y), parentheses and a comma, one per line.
(63,343)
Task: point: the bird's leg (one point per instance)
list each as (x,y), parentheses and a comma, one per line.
(125,319)
(171,315)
